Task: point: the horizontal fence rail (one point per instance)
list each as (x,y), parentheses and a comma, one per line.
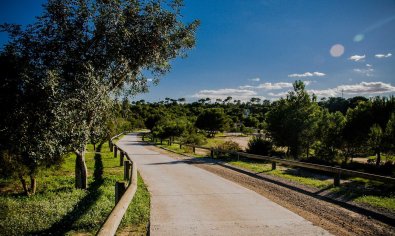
(113,221)
(338,172)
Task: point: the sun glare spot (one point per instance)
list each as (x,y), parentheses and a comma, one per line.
(337,50)
(359,37)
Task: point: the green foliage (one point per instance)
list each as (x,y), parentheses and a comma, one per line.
(375,141)
(62,71)
(167,127)
(292,122)
(259,146)
(389,136)
(330,139)
(194,138)
(212,120)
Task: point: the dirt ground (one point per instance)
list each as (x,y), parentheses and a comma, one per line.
(242,141)
(337,218)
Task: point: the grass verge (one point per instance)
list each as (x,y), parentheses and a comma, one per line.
(60,209)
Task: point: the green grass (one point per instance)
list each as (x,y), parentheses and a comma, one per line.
(59,208)
(378,201)
(301,177)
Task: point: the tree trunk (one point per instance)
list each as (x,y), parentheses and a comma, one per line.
(378,157)
(33,184)
(307,151)
(94,147)
(81,172)
(24,185)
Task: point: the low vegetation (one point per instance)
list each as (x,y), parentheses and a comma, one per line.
(58,208)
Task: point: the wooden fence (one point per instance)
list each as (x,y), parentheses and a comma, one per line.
(124,191)
(337,172)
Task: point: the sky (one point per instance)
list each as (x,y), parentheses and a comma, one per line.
(258,48)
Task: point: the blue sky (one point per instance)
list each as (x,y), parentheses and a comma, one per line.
(253,48)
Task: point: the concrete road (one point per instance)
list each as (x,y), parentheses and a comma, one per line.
(186,200)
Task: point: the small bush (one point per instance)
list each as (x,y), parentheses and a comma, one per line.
(194,138)
(248,130)
(260,146)
(229,146)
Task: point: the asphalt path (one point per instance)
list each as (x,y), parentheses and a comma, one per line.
(186,200)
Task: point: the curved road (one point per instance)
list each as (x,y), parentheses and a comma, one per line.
(186,200)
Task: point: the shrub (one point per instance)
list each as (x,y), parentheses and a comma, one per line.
(229,146)
(248,130)
(260,146)
(194,138)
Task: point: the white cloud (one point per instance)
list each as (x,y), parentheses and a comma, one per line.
(357,58)
(236,94)
(272,86)
(281,94)
(324,92)
(383,55)
(307,74)
(247,87)
(149,80)
(308,82)
(365,88)
(257,79)
(368,71)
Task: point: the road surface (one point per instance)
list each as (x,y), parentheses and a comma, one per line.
(186,200)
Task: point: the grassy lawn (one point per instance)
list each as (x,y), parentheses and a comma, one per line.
(60,209)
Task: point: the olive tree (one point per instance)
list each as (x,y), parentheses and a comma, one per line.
(97,49)
(29,126)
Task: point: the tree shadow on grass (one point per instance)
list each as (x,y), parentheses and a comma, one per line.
(65,224)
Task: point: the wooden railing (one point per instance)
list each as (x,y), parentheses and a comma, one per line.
(338,172)
(123,195)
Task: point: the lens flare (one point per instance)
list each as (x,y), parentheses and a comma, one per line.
(337,50)
(359,37)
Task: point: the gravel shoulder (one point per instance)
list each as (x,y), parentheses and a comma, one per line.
(336,217)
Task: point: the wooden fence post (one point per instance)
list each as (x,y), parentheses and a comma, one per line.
(120,188)
(212,153)
(110,145)
(336,180)
(126,170)
(274,165)
(193,148)
(180,145)
(121,157)
(115,151)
